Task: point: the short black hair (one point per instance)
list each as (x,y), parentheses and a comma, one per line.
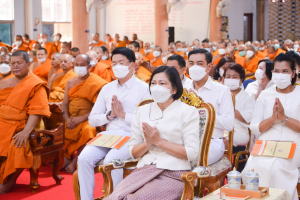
(173,77)
(238,68)
(216,74)
(75,49)
(34,53)
(282,57)
(128,53)
(26,36)
(177,42)
(294,55)
(21,53)
(135,44)
(59,34)
(104,49)
(269,67)
(43,49)
(208,56)
(19,36)
(67,44)
(179,59)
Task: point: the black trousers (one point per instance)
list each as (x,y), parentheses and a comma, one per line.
(236,149)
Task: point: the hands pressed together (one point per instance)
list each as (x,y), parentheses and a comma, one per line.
(151,135)
(278,111)
(72,122)
(117,108)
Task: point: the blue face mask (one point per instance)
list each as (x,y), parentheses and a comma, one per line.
(296,46)
(236,49)
(242,53)
(214,48)
(276,46)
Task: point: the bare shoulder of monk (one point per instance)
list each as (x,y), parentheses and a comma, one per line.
(73,82)
(10,82)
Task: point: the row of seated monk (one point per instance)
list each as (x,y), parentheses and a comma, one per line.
(90,100)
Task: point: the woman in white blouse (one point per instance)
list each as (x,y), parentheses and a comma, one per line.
(234,76)
(277,117)
(165,136)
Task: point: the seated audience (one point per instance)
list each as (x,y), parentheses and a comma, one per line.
(43,66)
(5,69)
(218,71)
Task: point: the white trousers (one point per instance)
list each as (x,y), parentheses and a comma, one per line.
(87,161)
(216,150)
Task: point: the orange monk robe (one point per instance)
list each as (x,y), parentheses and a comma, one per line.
(9,76)
(214,53)
(23,47)
(279,51)
(82,98)
(100,43)
(240,60)
(31,43)
(236,53)
(179,53)
(150,56)
(120,44)
(109,43)
(107,62)
(157,62)
(59,85)
(251,66)
(185,57)
(265,51)
(142,51)
(144,73)
(43,70)
(217,60)
(58,46)
(51,49)
(59,71)
(104,71)
(261,54)
(145,59)
(2,44)
(29,97)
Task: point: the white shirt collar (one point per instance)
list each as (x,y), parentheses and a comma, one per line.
(128,83)
(206,85)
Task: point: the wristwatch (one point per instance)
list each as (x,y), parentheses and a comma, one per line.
(287,118)
(109,117)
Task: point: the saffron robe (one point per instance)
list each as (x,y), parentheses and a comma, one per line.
(51,49)
(2,44)
(42,71)
(104,71)
(9,76)
(100,43)
(150,56)
(240,60)
(120,44)
(157,62)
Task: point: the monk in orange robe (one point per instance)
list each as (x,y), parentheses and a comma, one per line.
(103,55)
(141,71)
(126,40)
(19,44)
(259,54)
(49,46)
(109,40)
(43,66)
(157,53)
(55,62)
(251,63)
(96,41)
(80,95)
(118,43)
(221,53)
(276,45)
(28,41)
(2,44)
(148,51)
(23,100)
(57,83)
(229,52)
(56,38)
(172,49)
(5,69)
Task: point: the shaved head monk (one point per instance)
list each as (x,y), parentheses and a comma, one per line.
(118,43)
(57,42)
(2,44)
(229,52)
(32,56)
(271,52)
(221,53)
(49,46)
(19,44)
(5,69)
(55,62)
(172,49)
(43,66)
(57,82)
(134,37)
(20,112)
(36,46)
(65,47)
(80,95)
(74,52)
(276,45)
(3,50)
(105,56)
(148,51)
(96,41)
(251,61)
(126,40)
(101,69)
(157,53)
(259,54)
(109,40)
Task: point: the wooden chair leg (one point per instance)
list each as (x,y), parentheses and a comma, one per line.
(34,173)
(76,186)
(212,186)
(57,164)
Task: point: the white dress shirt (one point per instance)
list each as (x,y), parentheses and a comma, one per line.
(220,97)
(130,94)
(186,81)
(178,123)
(244,103)
(252,87)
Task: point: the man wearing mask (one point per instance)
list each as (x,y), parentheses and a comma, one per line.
(65,48)
(49,46)
(262,47)
(288,45)
(229,52)
(79,97)
(28,41)
(5,70)
(148,51)
(211,92)
(259,53)
(271,53)
(118,43)
(278,50)
(96,41)
(57,42)
(114,107)
(296,46)
(178,45)
(103,55)
(32,56)
(235,44)
(19,45)
(251,62)
(3,50)
(157,53)
(221,51)
(43,66)
(109,40)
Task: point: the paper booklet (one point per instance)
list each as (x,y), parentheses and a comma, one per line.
(274,149)
(109,141)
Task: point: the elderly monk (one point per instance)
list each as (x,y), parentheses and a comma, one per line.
(214,49)
(126,40)
(276,45)
(148,51)
(43,66)
(229,52)
(80,95)
(3,50)
(251,61)
(109,40)
(55,63)
(259,54)
(5,69)
(96,41)
(157,53)
(57,42)
(178,48)
(140,70)
(28,41)
(36,46)
(57,82)
(103,55)
(118,43)
(135,47)
(101,69)
(288,45)
(65,48)
(49,46)
(221,51)
(19,44)
(23,100)
(172,49)
(2,44)
(262,47)
(74,53)
(32,56)
(271,53)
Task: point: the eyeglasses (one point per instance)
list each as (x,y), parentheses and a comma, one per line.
(282,72)
(121,63)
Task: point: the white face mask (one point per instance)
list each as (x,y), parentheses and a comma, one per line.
(95,42)
(104,57)
(296,47)
(221,51)
(156,53)
(80,71)
(41,40)
(56,38)
(120,71)
(232,84)
(197,73)
(148,51)
(30,59)
(208,49)
(4,68)
(179,49)
(282,81)
(164,60)
(160,94)
(221,72)
(18,43)
(249,53)
(42,59)
(261,48)
(259,74)
(214,48)
(184,50)
(93,63)
(73,59)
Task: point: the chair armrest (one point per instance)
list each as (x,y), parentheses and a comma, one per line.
(36,140)
(188,179)
(202,172)
(237,157)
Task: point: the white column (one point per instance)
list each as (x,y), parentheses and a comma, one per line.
(93,22)
(102,24)
(33,12)
(19,18)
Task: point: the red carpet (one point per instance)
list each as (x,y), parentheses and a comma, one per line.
(48,189)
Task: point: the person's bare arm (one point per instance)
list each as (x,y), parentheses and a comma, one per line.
(148,66)
(239,116)
(65,106)
(50,82)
